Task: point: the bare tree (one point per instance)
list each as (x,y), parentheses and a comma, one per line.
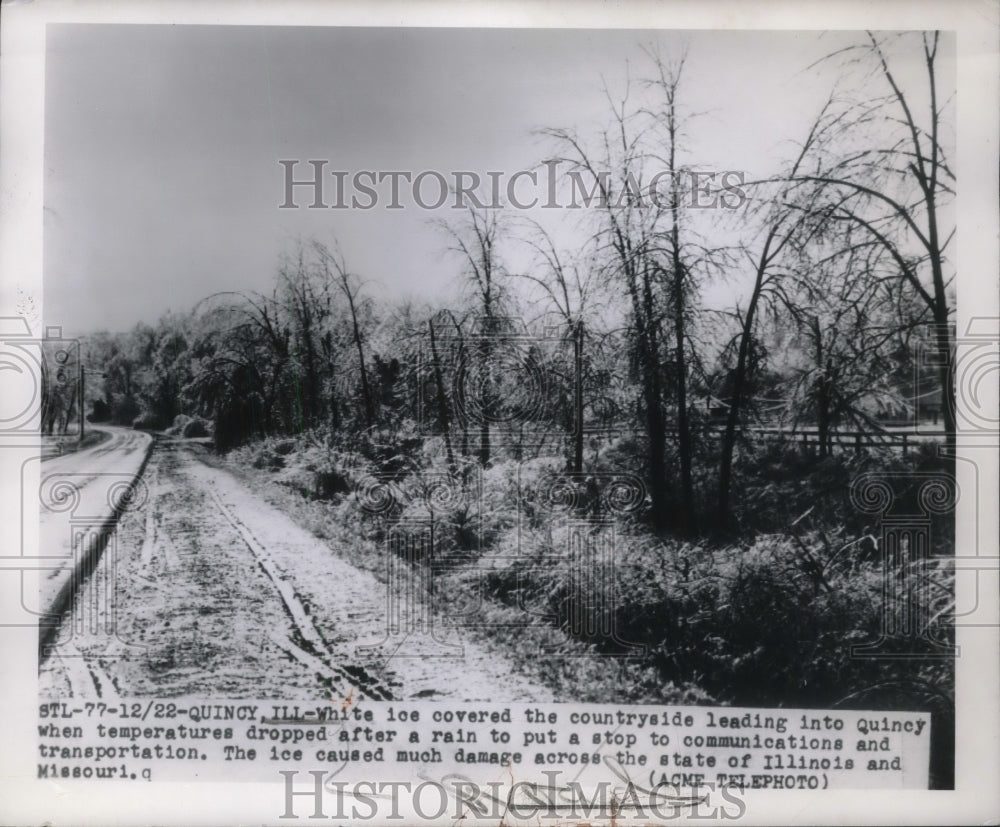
(626,239)
(844,345)
(678,271)
(786,224)
(568,287)
(305,300)
(334,269)
(476,240)
(885,170)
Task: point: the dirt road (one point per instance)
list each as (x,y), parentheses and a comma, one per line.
(205,590)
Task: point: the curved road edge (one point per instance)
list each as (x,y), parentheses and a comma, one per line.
(57,599)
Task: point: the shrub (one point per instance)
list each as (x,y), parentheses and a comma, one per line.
(262,455)
(195,428)
(146,421)
(284,447)
(179,422)
(311,469)
(772,622)
(124,409)
(394,451)
(329,483)
(101,412)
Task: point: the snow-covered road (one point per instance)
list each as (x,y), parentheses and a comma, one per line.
(207,590)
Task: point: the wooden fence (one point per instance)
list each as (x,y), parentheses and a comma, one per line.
(838,440)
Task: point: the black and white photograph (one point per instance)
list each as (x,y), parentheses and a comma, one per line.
(482,374)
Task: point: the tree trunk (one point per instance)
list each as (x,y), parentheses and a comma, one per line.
(947,378)
(442,402)
(484,426)
(732,418)
(823,419)
(687,516)
(649,370)
(946,373)
(739,383)
(366,392)
(578,399)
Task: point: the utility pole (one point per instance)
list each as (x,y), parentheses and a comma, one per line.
(578,397)
(79,362)
(83,376)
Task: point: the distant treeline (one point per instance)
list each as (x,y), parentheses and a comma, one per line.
(841,314)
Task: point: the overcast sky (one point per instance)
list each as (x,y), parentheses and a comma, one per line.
(162,181)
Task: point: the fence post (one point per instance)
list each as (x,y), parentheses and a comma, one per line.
(904,444)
